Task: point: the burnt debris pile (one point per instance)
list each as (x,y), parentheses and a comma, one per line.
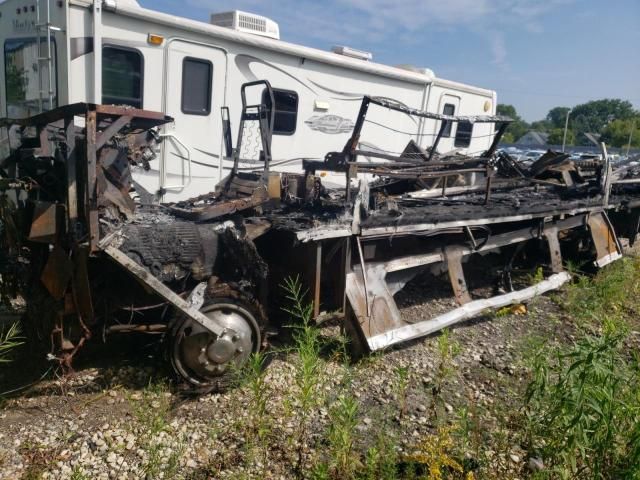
(94,254)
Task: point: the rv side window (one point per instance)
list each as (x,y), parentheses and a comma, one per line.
(197,78)
(449,109)
(463,134)
(122,76)
(26,76)
(286,113)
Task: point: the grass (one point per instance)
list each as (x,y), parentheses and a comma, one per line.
(10,339)
(308,363)
(583,408)
(154,436)
(613,293)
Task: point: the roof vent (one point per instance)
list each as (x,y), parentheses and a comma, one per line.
(352,52)
(247,23)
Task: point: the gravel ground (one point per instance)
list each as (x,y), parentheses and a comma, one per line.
(117,418)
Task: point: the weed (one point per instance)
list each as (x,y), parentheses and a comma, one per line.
(260,422)
(381,459)
(9,341)
(401,386)
(613,293)
(78,474)
(309,365)
(344,418)
(537,276)
(152,412)
(583,408)
(434,452)
(448,349)
(469,429)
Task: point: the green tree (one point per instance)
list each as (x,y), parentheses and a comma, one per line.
(617,132)
(557,134)
(541,126)
(557,117)
(518,128)
(594,116)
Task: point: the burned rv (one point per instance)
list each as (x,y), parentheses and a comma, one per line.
(60,52)
(95,254)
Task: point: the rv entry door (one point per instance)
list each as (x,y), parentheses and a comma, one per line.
(194,91)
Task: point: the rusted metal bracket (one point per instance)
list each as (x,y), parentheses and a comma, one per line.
(608,248)
(147,279)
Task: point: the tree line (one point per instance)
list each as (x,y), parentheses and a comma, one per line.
(612,118)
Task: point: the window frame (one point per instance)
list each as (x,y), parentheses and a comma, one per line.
(56,69)
(286,133)
(142,69)
(457,141)
(210,85)
(449,128)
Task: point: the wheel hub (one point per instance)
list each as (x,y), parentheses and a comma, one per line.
(200,356)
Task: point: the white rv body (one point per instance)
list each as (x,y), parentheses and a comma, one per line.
(327,87)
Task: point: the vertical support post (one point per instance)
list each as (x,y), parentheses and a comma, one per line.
(97,51)
(566,127)
(434,147)
(606,184)
(551,234)
(71,164)
(345,267)
(92,185)
(265,135)
(487,194)
(453,257)
(317,279)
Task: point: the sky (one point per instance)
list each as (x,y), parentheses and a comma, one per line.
(537,54)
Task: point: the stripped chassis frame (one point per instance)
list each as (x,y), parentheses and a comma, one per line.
(370,268)
(372,315)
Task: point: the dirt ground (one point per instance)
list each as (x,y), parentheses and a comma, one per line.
(118,417)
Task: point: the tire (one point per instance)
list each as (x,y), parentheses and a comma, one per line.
(206,363)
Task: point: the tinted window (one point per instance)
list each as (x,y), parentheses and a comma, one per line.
(286,112)
(25,76)
(121,76)
(197,78)
(449,109)
(463,134)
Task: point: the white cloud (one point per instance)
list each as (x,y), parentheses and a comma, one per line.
(498,48)
(361,23)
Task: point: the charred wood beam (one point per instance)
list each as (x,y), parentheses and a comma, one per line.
(436,142)
(112,130)
(496,139)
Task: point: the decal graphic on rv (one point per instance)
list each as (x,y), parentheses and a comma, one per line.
(331,124)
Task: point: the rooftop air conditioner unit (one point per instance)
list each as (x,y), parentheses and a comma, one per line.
(352,52)
(247,23)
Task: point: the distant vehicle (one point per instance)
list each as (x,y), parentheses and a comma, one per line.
(530,156)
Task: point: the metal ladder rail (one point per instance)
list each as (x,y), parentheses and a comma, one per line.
(48,59)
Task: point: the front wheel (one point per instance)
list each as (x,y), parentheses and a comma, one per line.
(205,362)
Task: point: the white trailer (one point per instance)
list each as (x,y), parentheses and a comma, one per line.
(189,70)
